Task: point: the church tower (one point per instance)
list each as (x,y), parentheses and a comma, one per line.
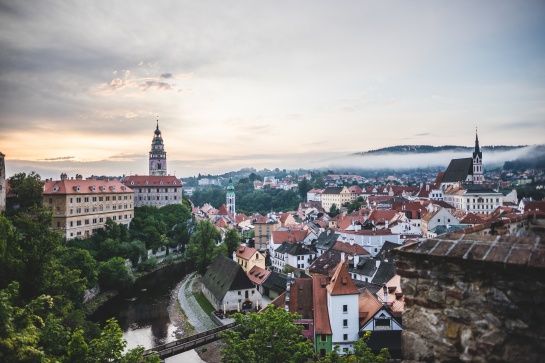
(157,155)
(478,177)
(231,198)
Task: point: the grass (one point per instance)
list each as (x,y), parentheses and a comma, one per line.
(204,303)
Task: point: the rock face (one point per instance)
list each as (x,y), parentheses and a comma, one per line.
(473,298)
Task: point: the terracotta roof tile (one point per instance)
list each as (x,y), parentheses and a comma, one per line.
(321,314)
(341,282)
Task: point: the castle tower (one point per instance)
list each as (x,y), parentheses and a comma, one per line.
(231,198)
(478,177)
(2,183)
(157,155)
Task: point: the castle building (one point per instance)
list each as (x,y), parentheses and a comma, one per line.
(157,154)
(81,207)
(231,198)
(158,188)
(2,183)
(155,190)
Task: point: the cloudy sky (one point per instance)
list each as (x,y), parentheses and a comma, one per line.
(262,83)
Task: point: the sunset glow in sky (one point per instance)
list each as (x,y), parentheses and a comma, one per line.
(283,84)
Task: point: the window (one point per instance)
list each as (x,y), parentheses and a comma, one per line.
(59,224)
(71,224)
(86,199)
(86,221)
(101,219)
(78,210)
(323,338)
(100,199)
(78,223)
(94,220)
(71,200)
(382,324)
(113,198)
(345,323)
(345,337)
(322,352)
(71,211)
(94,199)
(345,308)
(107,199)
(86,210)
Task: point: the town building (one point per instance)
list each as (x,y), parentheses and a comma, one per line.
(81,207)
(263,228)
(248,257)
(155,190)
(335,195)
(2,182)
(228,288)
(157,154)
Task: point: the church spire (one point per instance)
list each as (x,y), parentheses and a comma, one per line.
(231,198)
(478,176)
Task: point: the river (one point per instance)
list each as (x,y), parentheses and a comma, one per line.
(143,310)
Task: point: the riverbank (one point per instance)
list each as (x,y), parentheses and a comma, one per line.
(94,303)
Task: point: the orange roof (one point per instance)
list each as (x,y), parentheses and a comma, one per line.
(471,218)
(396,299)
(151,180)
(368,305)
(341,282)
(257,275)
(221,222)
(245,252)
(289,235)
(382,215)
(321,314)
(85,187)
(353,249)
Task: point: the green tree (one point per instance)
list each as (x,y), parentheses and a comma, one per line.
(27,190)
(29,251)
(304,187)
(114,274)
(79,259)
(232,241)
(362,353)
(268,337)
(202,243)
(333,210)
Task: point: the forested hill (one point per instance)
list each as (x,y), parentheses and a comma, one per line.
(424,149)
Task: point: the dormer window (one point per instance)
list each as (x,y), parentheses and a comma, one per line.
(123,188)
(146,182)
(174,183)
(112,188)
(160,182)
(56,188)
(93,188)
(76,188)
(132,182)
(102,188)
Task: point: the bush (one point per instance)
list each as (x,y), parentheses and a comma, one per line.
(149,264)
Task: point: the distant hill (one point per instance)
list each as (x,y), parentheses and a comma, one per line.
(424,149)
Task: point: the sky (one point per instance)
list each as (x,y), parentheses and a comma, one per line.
(263,84)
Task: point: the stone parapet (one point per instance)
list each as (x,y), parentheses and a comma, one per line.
(473,298)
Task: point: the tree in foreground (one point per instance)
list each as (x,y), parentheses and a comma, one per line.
(268,337)
(31,333)
(362,353)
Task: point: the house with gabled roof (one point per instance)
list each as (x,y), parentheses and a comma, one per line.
(258,276)
(335,195)
(227,286)
(248,257)
(439,216)
(264,226)
(384,324)
(292,235)
(295,255)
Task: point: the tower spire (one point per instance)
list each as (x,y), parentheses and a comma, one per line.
(478,176)
(157,154)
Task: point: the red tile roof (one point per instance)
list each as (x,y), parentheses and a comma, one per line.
(321,314)
(353,249)
(341,282)
(151,180)
(245,252)
(368,306)
(85,187)
(289,235)
(258,275)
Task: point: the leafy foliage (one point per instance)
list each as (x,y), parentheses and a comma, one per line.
(270,337)
(202,243)
(114,274)
(362,353)
(27,190)
(232,241)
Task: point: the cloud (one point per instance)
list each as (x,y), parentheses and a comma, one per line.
(59,158)
(166,75)
(423,134)
(154,85)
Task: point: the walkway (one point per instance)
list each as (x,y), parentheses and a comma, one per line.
(193,311)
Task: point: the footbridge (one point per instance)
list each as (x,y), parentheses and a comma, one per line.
(182,345)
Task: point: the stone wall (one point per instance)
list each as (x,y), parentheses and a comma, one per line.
(473,300)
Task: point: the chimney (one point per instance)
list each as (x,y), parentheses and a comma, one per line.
(356,260)
(385,290)
(235,256)
(79,177)
(64,176)
(342,257)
